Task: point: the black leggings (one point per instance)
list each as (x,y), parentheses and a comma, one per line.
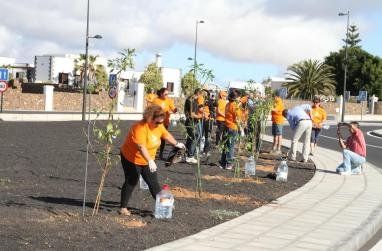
(132,172)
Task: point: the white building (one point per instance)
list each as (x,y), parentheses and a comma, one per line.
(243,85)
(275,83)
(18,71)
(171,78)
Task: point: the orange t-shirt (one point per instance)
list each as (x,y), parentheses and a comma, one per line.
(221,108)
(200,100)
(167,107)
(150,97)
(318,115)
(277,112)
(141,134)
(232,115)
(206,112)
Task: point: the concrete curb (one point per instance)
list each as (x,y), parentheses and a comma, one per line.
(377,133)
(330,212)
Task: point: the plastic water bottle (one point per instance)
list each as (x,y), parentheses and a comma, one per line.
(325,126)
(250,167)
(142,183)
(164,203)
(202,143)
(282,171)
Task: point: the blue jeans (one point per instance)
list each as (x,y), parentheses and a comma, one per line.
(230,137)
(351,160)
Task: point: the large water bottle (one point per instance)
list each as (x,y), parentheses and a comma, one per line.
(282,171)
(142,183)
(164,203)
(250,167)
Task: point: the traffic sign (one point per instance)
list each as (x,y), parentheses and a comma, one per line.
(362,96)
(113,92)
(112,80)
(3,74)
(3,86)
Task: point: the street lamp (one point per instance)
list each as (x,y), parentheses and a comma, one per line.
(196,42)
(86,63)
(346,62)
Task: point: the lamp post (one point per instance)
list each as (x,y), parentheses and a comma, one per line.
(86,63)
(196,43)
(346,63)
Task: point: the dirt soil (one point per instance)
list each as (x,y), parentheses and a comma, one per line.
(42,167)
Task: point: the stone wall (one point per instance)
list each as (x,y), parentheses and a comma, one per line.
(15,100)
(330,107)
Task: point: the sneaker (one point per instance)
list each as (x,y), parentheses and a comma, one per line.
(229,167)
(356,171)
(342,171)
(191,160)
(304,161)
(221,167)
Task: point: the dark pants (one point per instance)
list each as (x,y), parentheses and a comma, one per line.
(207,123)
(193,136)
(228,154)
(132,172)
(162,145)
(219,131)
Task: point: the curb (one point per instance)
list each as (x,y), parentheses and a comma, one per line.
(376,133)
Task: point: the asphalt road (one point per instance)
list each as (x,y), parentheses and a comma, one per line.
(328,139)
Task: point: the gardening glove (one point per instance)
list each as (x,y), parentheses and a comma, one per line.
(180,145)
(152,166)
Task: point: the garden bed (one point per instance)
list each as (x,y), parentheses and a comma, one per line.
(41,191)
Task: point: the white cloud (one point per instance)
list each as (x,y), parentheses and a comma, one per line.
(258,31)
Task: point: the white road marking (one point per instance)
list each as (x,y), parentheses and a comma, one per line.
(379,147)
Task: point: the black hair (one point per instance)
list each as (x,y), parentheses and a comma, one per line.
(355,123)
(161,91)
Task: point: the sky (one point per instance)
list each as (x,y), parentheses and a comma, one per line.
(239,39)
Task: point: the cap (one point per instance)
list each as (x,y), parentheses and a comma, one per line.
(165,187)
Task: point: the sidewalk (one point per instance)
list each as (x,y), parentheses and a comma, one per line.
(331,212)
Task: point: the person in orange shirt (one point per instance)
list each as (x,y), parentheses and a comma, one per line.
(168,107)
(150,97)
(220,116)
(318,118)
(277,123)
(233,124)
(138,153)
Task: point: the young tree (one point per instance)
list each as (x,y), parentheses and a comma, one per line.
(310,78)
(188,83)
(152,77)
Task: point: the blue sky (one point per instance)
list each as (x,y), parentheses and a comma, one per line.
(240,39)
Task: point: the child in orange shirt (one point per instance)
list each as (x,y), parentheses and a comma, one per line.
(318,118)
(277,123)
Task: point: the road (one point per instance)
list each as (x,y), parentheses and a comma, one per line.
(329,140)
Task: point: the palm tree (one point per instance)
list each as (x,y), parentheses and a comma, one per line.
(310,78)
(92,67)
